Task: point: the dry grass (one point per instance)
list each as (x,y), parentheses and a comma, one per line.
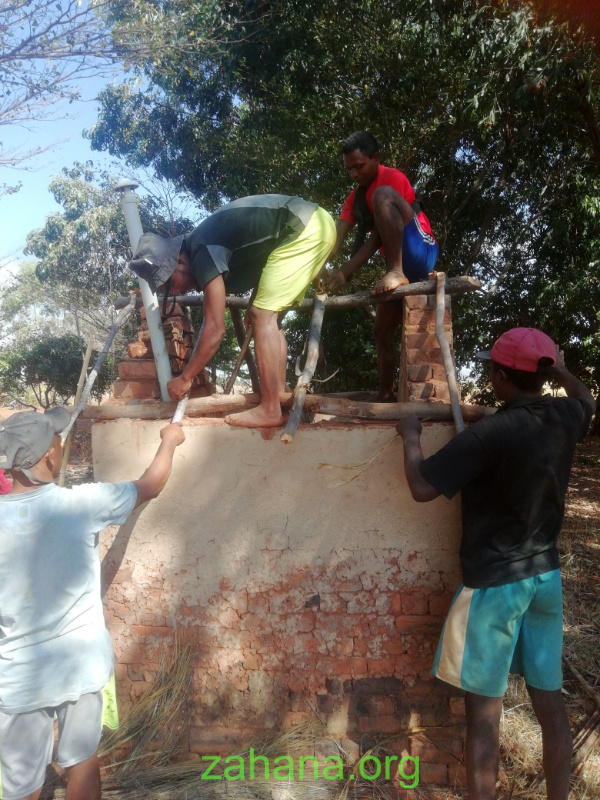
(150,770)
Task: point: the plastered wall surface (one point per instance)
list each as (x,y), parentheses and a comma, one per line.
(300,595)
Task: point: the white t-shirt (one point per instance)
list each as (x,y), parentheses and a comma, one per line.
(54,645)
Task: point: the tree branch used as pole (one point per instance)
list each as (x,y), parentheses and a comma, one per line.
(322,404)
(440,333)
(120,319)
(240,333)
(312,358)
(67,448)
(460,285)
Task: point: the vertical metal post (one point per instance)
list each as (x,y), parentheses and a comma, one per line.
(134,229)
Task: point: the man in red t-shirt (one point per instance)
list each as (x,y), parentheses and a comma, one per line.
(385,206)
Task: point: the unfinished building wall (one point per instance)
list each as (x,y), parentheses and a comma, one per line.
(301,595)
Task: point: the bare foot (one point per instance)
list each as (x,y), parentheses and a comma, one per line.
(255,418)
(384,397)
(390,281)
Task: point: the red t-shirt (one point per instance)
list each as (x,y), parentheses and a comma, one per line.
(386,176)
(5,484)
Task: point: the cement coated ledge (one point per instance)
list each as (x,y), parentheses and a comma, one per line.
(336,406)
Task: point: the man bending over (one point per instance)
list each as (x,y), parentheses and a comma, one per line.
(55,652)
(513,469)
(271,243)
(383,204)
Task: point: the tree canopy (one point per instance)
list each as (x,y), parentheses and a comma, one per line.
(488,108)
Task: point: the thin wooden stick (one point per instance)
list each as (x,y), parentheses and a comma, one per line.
(91,379)
(323,404)
(590,691)
(182,404)
(459,285)
(238,363)
(440,333)
(240,332)
(312,357)
(67,447)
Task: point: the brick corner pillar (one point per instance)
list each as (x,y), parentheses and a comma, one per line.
(137,374)
(422,375)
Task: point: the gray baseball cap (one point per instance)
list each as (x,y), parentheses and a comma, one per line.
(156,258)
(26,437)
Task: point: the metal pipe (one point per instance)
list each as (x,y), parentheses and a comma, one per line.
(134,229)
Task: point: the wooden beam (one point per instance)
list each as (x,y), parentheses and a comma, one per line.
(461,285)
(337,406)
(312,358)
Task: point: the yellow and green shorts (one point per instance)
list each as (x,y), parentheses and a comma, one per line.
(515,628)
(291,268)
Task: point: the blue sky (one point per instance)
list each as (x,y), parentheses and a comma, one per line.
(29,207)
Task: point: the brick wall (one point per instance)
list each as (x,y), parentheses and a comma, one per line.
(422,375)
(300,597)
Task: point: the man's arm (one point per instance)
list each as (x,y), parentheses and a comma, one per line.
(572,385)
(210,339)
(154,479)
(339,276)
(409,429)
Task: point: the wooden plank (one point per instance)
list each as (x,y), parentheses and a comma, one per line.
(461,285)
(337,406)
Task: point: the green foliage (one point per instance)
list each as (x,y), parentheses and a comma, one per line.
(489,111)
(48,366)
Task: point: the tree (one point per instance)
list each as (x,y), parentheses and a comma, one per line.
(480,104)
(49,367)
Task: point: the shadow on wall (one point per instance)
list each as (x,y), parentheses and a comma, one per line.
(287,582)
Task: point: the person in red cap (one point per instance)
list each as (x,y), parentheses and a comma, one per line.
(513,470)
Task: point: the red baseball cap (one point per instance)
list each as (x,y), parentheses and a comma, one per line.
(521,348)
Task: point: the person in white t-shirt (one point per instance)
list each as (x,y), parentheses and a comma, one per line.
(55,652)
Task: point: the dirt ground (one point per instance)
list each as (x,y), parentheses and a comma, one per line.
(521,757)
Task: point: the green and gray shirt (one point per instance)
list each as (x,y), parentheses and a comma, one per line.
(237,240)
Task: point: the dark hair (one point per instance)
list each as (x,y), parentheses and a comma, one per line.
(528,381)
(363,141)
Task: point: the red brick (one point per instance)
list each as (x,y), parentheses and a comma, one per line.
(414,604)
(139,349)
(419,373)
(258,603)
(439,605)
(143,631)
(431,301)
(380,725)
(418,356)
(135,370)
(423,319)
(381,666)
(393,647)
(354,666)
(212,741)
(416,301)
(135,390)
(424,340)
(457,707)
(421,391)
(432,773)
(411,624)
(178,349)
(457,774)
(381,706)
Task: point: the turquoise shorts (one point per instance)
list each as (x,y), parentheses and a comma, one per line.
(514,628)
